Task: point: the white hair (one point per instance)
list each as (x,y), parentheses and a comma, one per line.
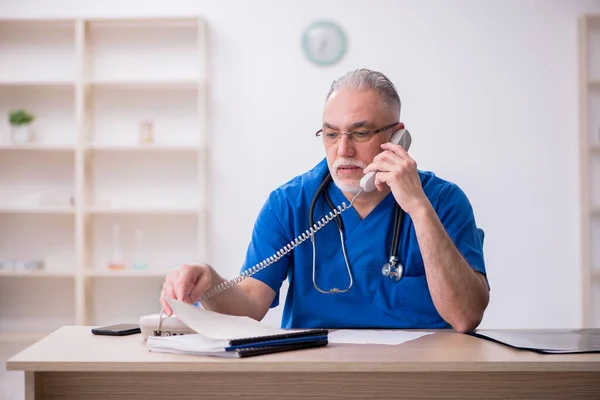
(365,79)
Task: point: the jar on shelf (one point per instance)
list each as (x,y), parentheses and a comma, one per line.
(146,132)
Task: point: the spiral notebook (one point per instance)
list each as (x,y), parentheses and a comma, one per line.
(222,335)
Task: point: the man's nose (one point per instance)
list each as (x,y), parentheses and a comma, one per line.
(345,146)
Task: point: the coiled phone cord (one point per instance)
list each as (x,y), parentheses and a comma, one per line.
(282,252)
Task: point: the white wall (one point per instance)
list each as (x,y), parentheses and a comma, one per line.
(489,90)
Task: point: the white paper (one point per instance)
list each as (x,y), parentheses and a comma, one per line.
(225,354)
(189,342)
(365,336)
(220,326)
(194,344)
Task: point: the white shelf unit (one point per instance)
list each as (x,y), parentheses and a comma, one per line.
(589,87)
(90,84)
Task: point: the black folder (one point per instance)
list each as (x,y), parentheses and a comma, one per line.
(260,350)
(545,341)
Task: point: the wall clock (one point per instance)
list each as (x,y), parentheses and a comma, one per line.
(324,43)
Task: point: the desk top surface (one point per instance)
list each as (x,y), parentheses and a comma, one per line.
(75,348)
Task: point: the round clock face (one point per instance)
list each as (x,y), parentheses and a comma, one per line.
(324,43)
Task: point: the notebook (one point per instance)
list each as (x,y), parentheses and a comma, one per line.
(222,335)
(549,341)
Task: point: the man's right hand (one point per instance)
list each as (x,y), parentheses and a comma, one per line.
(187,283)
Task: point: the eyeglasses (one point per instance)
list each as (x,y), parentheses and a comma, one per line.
(360,136)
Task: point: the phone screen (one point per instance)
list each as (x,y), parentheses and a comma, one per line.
(117,330)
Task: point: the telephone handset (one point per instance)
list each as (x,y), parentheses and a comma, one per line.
(401,137)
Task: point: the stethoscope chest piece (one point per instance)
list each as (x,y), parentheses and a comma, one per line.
(393,269)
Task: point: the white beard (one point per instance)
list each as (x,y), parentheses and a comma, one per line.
(352,187)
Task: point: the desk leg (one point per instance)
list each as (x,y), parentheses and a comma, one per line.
(33,387)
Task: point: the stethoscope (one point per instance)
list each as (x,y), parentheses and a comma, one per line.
(393,269)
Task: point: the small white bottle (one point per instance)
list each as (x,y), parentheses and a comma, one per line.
(116,262)
(146,132)
(139,262)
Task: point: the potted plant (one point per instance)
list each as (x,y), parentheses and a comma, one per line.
(20,121)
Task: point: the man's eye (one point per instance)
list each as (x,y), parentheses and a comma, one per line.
(331,135)
(361,134)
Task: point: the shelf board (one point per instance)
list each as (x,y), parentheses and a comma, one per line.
(127,273)
(143,148)
(141,211)
(37,210)
(144,22)
(595,148)
(595,273)
(36,147)
(146,84)
(37,274)
(37,84)
(594,83)
(595,210)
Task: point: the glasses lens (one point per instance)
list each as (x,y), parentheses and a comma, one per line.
(361,136)
(331,137)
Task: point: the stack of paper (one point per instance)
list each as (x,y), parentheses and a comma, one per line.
(231,336)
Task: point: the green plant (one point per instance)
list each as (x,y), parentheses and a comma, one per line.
(20,117)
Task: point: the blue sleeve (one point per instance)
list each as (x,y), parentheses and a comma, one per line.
(269,236)
(457,217)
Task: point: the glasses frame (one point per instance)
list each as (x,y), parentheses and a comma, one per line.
(371,133)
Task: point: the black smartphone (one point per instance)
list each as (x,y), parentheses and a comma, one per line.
(117,330)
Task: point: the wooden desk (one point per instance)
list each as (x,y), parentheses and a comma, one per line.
(71,363)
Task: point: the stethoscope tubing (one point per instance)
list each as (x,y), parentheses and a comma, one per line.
(393,269)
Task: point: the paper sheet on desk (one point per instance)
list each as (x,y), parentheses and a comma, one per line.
(361,336)
(219,326)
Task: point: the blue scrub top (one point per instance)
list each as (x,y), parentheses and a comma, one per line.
(374,301)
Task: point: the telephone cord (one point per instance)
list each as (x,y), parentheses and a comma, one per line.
(279,254)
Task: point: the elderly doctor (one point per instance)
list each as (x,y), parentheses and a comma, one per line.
(424,222)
